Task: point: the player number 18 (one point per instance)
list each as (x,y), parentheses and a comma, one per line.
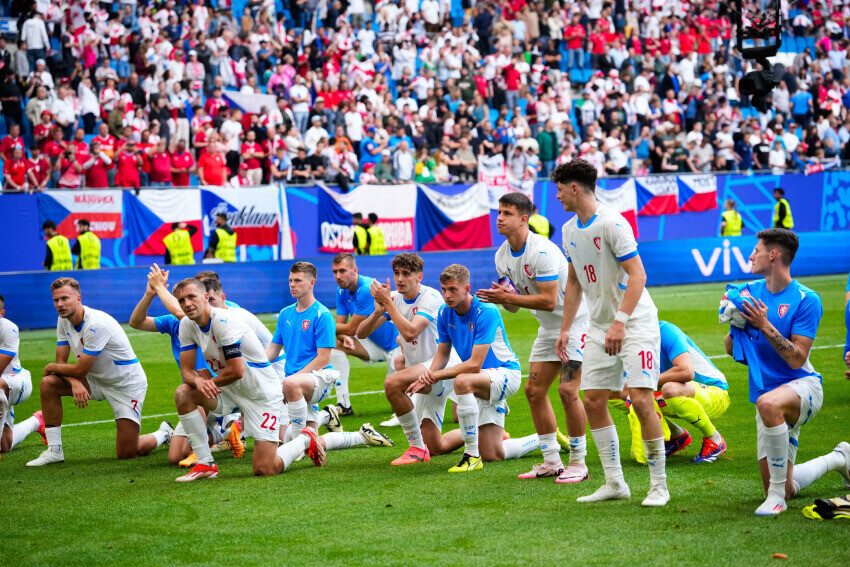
(590,273)
(645,359)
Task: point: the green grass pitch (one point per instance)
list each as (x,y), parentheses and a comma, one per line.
(95,510)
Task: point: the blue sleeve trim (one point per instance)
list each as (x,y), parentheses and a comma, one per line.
(7,352)
(431,319)
(623,287)
(281,358)
(190,347)
(570,260)
(259,364)
(627,256)
(387,316)
(61,343)
(91,352)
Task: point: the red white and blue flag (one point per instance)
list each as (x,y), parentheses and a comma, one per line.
(102,208)
(657,195)
(151,214)
(620,198)
(456,222)
(697,193)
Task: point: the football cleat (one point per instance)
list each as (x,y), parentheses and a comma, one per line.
(234,441)
(677,444)
(40,429)
(575,472)
(710,451)
(391,422)
(47,457)
(198,472)
(608,492)
(373,437)
(333,425)
(412,456)
(468,463)
(169,431)
(657,496)
(315,451)
(189,461)
(563,440)
(844,447)
(543,470)
(344,411)
(831,509)
(772,506)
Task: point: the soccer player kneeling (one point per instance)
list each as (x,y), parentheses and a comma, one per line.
(782,320)
(235,354)
(489,372)
(105,368)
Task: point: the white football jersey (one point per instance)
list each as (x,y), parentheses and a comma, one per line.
(101,335)
(228,327)
(596,250)
(10,342)
(540,260)
(427,304)
(264,335)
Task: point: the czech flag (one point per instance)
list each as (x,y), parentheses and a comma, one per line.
(102,208)
(619,195)
(454,222)
(657,195)
(697,193)
(151,214)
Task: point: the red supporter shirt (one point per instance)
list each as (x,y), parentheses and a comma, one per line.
(96,175)
(576,42)
(181,161)
(597,43)
(83,153)
(128,171)
(43,131)
(8,144)
(512,77)
(53,149)
(40,168)
(160,167)
(146,162)
(215,172)
(253,163)
(201,137)
(16,170)
(686,43)
(213,106)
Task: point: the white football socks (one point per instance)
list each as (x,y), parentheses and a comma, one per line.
(54,438)
(22,429)
(196,432)
(578,450)
(324,419)
(656,459)
(410,425)
(776,450)
(342,440)
(339,361)
(549,447)
(161,436)
(288,452)
(608,445)
(516,448)
(298,414)
(808,472)
(467,415)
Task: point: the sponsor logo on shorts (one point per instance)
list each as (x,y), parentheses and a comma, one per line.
(305,325)
(783,309)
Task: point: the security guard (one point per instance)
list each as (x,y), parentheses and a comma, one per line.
(222,241)
(178,244)
(538,224)
(376,237)
(86,248)
(731,221)
(782,217)
(361,235)
(58,255)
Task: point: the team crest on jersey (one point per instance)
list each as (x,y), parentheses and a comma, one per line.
(470,328)
(527,269)
(597,241)
(783,309)
(415,309)
(305,325)
(745,293)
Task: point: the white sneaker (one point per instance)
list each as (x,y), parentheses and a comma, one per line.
(844,447)
(391,422)
(47,457)
(608,492)
(773,506)
(374,437)
(657,496)
(169,431)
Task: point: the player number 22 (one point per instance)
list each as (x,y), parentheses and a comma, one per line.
(645,359)
(269,422)
(590,273)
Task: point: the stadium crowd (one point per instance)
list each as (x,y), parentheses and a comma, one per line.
(135,93)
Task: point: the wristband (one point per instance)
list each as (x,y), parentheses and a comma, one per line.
(621,317)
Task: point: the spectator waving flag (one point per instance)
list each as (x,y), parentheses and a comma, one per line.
(446,222)
(697,193)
